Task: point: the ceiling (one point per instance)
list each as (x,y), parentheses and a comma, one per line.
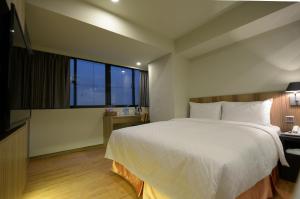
(143,30)
(171,18)
(58,34)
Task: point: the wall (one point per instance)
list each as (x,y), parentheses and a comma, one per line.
(160,89)
(20,6)
(180,86)
(267,62)
(64,129)
(168,87)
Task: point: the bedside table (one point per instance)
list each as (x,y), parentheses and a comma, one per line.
(290,142)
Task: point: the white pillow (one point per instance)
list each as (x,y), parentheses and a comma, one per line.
(255,112)
(205,110)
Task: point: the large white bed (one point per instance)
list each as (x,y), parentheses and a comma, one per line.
(198,158)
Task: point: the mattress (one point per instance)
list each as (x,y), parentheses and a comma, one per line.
(194,158)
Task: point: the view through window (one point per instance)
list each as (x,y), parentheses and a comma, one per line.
(96,84)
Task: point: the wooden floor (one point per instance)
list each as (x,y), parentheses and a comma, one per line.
(81,175)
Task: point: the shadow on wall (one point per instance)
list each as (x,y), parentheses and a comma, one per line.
(267,62)
(280,47)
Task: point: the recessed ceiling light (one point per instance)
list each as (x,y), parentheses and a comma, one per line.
(138,63)
(115,1)
(123,71)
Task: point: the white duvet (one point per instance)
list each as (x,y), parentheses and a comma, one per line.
(194,158)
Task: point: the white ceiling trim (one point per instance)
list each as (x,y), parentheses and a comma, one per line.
(172,18)
(87,13)
(273,20)
(241,22)
(55,33)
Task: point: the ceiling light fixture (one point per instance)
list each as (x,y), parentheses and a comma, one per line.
(138,63)
(115,1)
(123,71)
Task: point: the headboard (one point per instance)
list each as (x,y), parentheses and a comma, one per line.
(280,107)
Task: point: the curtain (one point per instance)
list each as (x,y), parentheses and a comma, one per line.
(44,79)
(144,89)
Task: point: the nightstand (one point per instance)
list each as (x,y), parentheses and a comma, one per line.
(290,145)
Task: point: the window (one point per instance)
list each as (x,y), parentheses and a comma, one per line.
(96,84)
(88,88)
(121,86)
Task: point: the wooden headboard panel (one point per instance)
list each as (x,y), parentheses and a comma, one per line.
(280,107)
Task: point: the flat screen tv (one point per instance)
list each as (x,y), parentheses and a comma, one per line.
(15,106)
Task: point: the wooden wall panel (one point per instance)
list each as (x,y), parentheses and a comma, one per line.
(13,164)
(280,107)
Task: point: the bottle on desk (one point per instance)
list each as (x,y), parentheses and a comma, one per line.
(138,110)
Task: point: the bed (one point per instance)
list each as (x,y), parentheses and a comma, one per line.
(198,158)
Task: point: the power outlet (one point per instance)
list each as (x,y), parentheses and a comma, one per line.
(289,119)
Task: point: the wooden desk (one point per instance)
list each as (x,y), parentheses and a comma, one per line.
(111,123)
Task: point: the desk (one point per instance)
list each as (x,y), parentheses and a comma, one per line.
(111,123)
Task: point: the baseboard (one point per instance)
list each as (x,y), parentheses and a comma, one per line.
(67,152)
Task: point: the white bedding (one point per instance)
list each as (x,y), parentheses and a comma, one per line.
(196,158)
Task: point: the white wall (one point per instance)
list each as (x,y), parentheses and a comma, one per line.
(168,87)
(267,62)
(64,129)
(180,86)
(161,89)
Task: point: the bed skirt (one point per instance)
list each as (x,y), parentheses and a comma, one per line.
(264,189)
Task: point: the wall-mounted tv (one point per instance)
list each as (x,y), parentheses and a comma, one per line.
(15,106)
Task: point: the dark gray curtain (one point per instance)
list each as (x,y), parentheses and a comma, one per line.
(45,79)
(144,89)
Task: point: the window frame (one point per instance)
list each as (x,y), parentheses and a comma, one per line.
(107,85)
